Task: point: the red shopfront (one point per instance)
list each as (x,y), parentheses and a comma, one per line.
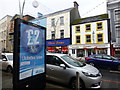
(61,45)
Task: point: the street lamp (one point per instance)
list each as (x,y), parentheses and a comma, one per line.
(34,4)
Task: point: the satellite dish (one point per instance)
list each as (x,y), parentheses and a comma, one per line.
(35,4)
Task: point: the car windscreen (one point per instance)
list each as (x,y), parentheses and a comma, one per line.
(72,62)
(10,57)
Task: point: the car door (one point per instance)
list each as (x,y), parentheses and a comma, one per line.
(108,61)
(98,61)
(56,72)
(4,62)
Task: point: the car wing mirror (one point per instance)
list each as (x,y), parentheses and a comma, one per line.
(63,66)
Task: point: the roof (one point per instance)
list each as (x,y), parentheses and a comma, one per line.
(61,11)
(90,19)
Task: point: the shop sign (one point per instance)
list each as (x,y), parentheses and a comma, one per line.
(59,42)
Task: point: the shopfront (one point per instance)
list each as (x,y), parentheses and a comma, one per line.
(116,50)
(59,45)
(85,50)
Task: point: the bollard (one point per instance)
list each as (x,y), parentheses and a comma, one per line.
(77,81)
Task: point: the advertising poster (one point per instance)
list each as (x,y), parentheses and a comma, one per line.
(32,50)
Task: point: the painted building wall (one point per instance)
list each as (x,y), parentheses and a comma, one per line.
(93,29)
(93,47)
(58,27)
(4,32)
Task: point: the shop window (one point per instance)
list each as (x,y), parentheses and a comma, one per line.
(99,26)
(78,39)
(53,34)
(88,27)
(100,38)
(88,38)
(61,34)
(77,29)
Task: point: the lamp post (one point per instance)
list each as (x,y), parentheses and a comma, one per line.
(21,9)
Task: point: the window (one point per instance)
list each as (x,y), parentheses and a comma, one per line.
(73,51)
(100,38)
(99,26)
(88,38)
(78,39)
(117,15)
(53,34)
(77,29)
(88,27)
(53,22)
(62,20)
(98,56)
(61,34)
(53,60)
(107,57)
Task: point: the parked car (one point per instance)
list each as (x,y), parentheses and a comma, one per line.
(6,62)
(105,61)
(62,68)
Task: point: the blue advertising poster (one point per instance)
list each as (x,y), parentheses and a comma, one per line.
(32,51)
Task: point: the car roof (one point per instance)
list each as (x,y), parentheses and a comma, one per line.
(56,54)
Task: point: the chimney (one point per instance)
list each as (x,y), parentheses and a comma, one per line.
(76,4)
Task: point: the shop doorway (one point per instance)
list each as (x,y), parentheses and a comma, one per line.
(80,53)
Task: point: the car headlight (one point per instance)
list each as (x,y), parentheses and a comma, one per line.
(89,74)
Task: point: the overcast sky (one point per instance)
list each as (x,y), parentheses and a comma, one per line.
(86,7)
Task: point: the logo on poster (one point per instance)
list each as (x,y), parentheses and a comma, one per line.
(31,38)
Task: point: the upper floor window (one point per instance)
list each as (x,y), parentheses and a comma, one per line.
(117,15)
(53,34)
(78,39)
(88,27)
(62,20)
(53,22)
(99,26)
(100,38)
(61,34)
(88,38)
(77,29)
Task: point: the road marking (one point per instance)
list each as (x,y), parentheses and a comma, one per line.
(110,81)
(114,71)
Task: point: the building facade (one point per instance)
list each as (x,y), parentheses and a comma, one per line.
(90,36)
(40,20)
(113,7)
(4,33)
(11,31)
(58,29)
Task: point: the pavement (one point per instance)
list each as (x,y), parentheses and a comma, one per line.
(111,79)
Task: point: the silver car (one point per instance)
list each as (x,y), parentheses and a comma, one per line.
(62,68)
(6,62)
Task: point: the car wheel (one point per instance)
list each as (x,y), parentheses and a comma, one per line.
(73,84)
(9,69)
(91,63)
(118,68)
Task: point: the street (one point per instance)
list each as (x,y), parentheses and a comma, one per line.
(110,79)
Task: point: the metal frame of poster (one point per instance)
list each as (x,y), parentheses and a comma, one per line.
(29,65)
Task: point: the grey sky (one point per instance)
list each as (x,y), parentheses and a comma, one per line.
(86,7)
